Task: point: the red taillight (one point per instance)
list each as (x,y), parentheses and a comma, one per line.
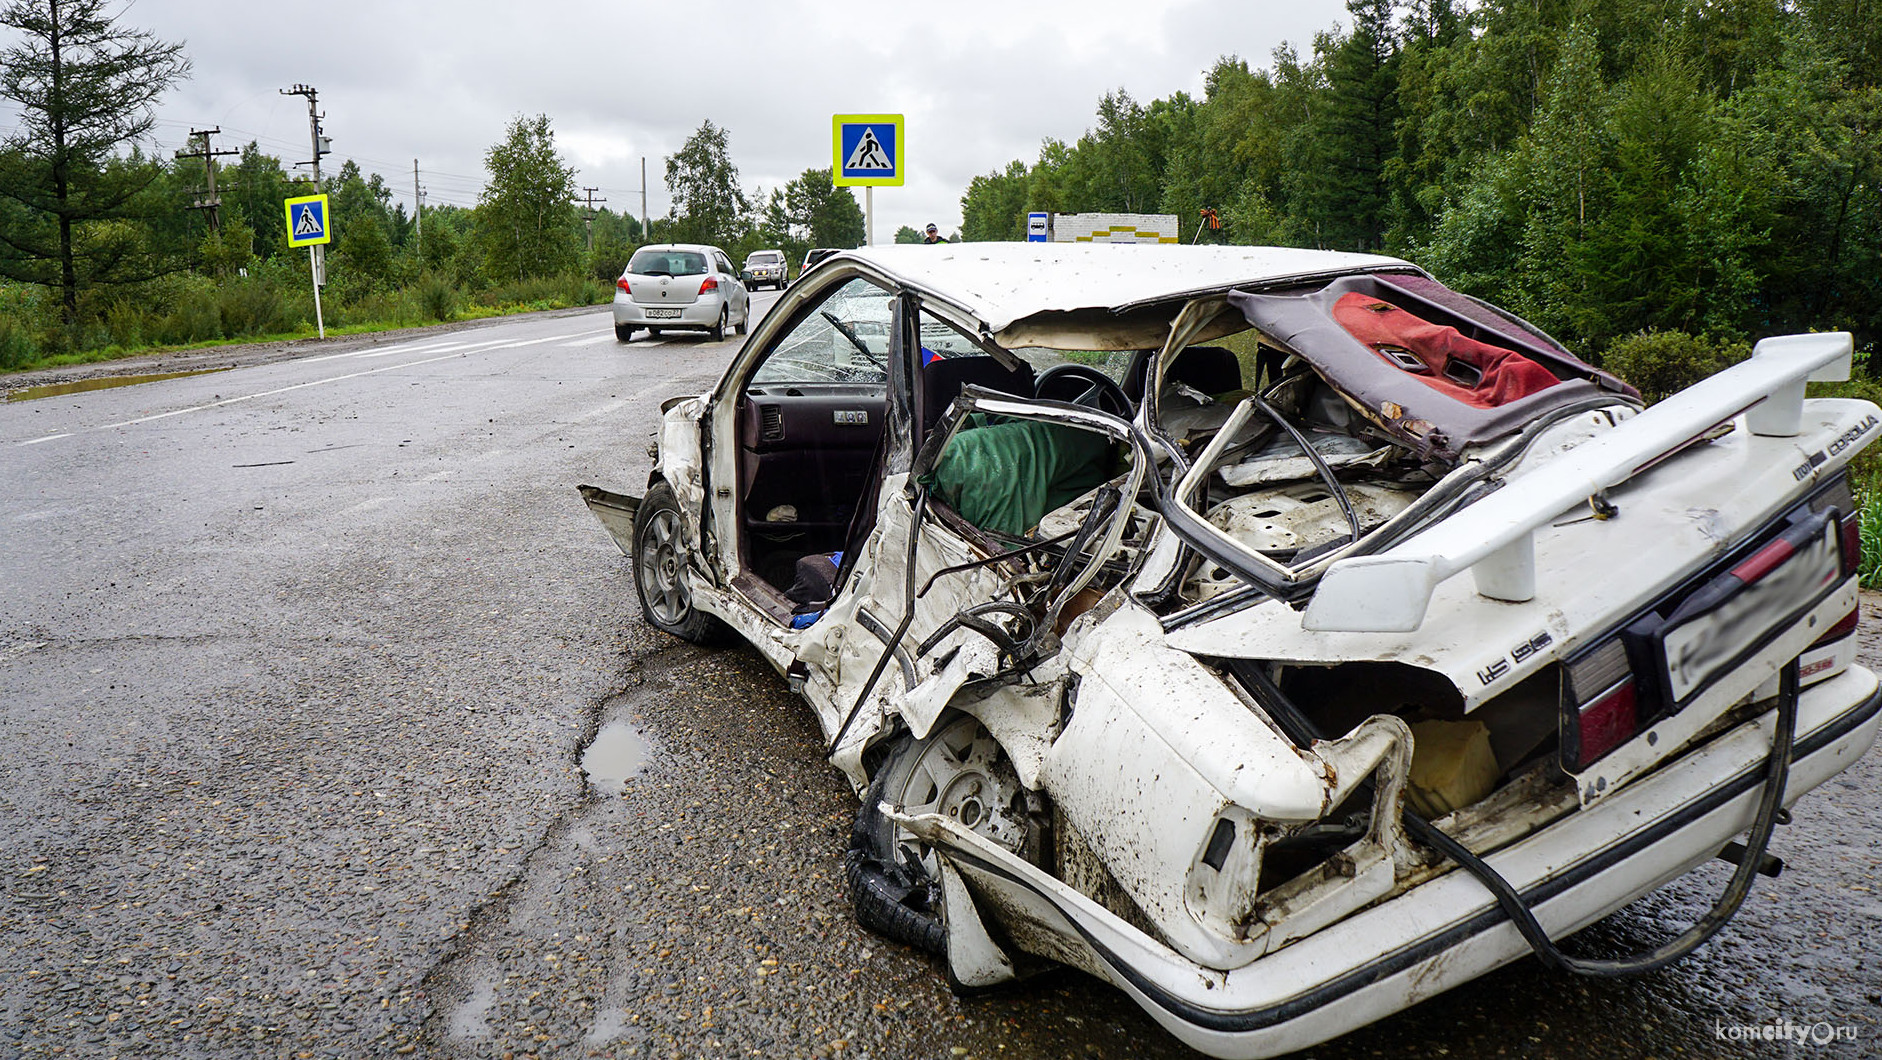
(1601,706)
(1607,722)
(711,284)
(1852,543)
(622,284)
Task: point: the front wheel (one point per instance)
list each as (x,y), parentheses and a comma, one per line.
(660,559)
(623,333)
(960,771)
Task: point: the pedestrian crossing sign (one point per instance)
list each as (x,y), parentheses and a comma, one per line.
(307,221)
(868,150)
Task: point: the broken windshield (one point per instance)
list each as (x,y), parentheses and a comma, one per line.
(845,339)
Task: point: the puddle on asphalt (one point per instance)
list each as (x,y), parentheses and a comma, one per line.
(617,753)
(101,383)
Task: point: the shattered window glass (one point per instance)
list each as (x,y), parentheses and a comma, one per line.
(843,340)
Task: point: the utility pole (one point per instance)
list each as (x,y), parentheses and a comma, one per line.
(589,220)
(322,145)
(206,199)
(316,254)
(418,211)
(646,232)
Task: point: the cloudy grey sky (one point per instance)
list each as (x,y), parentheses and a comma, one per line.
(980,82)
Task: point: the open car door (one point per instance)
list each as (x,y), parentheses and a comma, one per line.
(937,605)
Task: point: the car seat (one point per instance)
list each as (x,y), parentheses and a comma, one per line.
(943,377)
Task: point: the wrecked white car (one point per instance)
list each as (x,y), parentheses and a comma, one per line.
(1277,635)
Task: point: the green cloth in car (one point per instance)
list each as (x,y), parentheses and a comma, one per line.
(1006,475)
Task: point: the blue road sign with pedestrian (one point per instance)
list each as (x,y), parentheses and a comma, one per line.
(307,221)
(868,149)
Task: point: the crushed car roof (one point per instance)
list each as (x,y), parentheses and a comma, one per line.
(1002,283)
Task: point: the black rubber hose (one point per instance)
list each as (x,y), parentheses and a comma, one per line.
(1777,773)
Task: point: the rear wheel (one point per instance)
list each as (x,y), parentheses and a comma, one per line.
(959,770)
(744,322)
(653,333)
(717,332)
(660,558)
(624,333)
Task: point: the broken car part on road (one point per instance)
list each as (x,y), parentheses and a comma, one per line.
(1162,667)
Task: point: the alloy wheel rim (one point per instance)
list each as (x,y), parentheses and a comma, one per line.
(665,593)
(963,775)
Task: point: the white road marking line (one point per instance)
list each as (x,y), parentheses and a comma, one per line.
(590,340)
(286,389)
(373,351)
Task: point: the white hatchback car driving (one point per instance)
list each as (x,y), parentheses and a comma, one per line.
(681,287)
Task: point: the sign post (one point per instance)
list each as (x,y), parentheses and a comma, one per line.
(307,227)
(867,151)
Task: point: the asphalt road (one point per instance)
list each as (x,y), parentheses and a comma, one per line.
(298,665)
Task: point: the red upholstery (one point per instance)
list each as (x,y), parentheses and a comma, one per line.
(1507,375)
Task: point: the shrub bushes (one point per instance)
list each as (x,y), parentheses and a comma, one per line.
(437,297)
(273,299)
(1660,363)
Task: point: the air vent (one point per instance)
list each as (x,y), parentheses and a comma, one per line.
(770,423)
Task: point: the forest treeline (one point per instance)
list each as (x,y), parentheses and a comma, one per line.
(106,247)
(1657,182)
(1704,172)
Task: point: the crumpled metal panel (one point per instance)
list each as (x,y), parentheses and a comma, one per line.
(1007,283)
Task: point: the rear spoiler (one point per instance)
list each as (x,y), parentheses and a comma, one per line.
(1494,538)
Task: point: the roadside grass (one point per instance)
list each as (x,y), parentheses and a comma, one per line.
(193,314)
(1869,501)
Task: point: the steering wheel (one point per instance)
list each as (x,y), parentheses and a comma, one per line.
(1086,386)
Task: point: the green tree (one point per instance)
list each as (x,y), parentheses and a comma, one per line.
(362,258)
(526,216)
(254,189)
(357,198)
(994,207)
(708,205)
(228,250)
(84,87)
(616,239)
(450,248)
(1355,137)
(905,234)
(362,227)
(826,214)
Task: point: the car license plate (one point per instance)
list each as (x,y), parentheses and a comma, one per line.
(663,314)
(1726,620)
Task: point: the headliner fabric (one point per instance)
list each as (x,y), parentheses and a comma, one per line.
(1431,424)
(1506,375)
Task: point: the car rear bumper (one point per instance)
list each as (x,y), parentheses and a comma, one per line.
(1442,932)
(701,314)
